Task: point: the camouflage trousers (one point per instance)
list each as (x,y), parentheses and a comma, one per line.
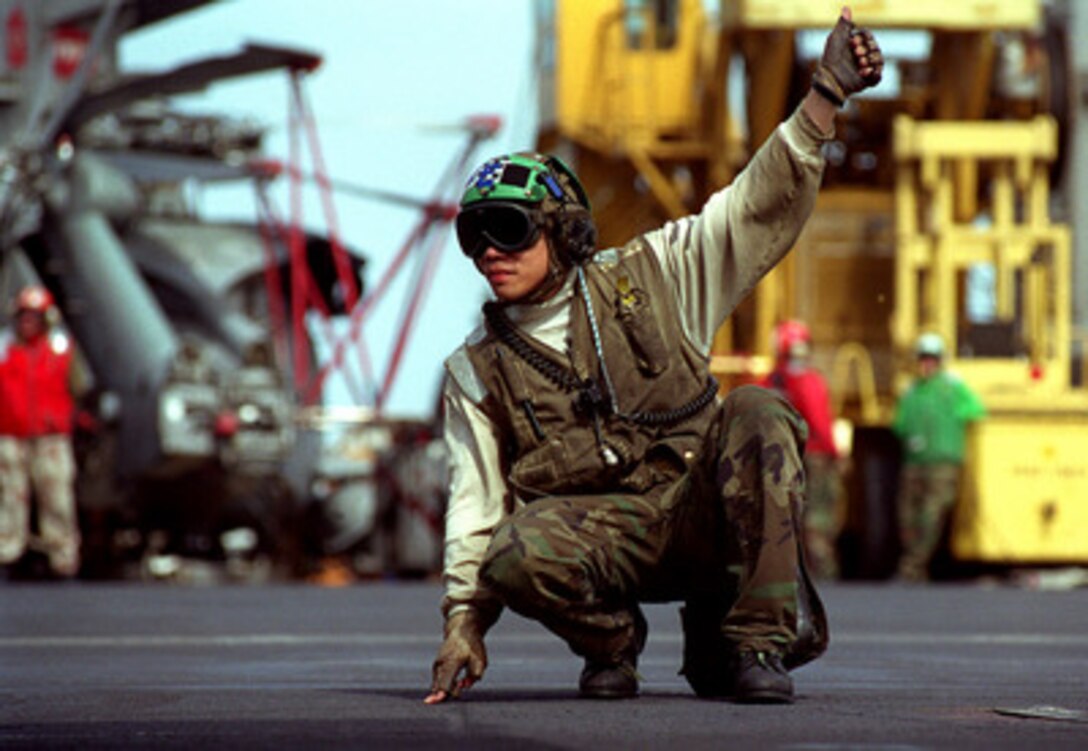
(723,538)
(822,514)
(46,465)
(927,495)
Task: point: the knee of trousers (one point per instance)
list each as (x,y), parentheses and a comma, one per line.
(528,574)
(508,567)
(755,410)
(504,578)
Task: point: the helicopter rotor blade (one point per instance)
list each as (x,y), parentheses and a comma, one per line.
(253,58)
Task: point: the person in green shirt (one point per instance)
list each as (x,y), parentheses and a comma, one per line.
(931,420)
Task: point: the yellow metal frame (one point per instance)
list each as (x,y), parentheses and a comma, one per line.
(937,14)
(934,246)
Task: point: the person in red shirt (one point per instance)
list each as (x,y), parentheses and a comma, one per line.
(807,391)
(36,415)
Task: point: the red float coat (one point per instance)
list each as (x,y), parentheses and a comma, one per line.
(806,390)
(35,398)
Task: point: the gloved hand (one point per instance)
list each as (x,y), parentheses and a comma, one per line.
(462,650)
(851,62)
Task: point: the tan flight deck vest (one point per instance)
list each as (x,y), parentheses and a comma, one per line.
(563,439)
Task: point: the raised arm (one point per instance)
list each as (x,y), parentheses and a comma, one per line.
(716,257)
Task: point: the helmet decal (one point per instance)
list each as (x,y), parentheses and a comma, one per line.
(524,177)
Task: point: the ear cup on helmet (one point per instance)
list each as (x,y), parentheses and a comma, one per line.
(581,234)
(574,234)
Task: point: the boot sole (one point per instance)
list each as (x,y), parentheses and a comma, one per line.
(608,695)
(763,697)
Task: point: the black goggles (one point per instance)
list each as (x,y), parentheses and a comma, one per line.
(507,227)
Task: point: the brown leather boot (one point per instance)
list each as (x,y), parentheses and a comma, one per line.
(617,678)
(608,681)
(762,679)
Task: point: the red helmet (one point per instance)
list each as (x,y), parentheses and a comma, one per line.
(792,338)
(36,299)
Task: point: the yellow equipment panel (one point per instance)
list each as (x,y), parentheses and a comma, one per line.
(937,14)
(625,75)
(1025,490)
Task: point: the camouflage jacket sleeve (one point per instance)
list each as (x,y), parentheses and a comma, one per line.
(477,497)
(714,258)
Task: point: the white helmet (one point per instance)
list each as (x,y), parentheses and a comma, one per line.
(929,344)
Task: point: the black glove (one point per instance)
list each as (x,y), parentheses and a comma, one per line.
(851,62)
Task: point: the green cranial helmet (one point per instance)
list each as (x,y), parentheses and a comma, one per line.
(525,178)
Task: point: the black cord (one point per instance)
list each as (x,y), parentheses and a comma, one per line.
(660,418)
(504,329)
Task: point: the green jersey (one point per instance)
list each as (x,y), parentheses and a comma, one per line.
(931,417)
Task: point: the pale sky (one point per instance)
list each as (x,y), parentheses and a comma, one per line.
(394,73)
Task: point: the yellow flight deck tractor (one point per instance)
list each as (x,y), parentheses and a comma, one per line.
(935,214)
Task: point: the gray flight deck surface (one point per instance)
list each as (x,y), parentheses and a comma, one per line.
(157,666)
